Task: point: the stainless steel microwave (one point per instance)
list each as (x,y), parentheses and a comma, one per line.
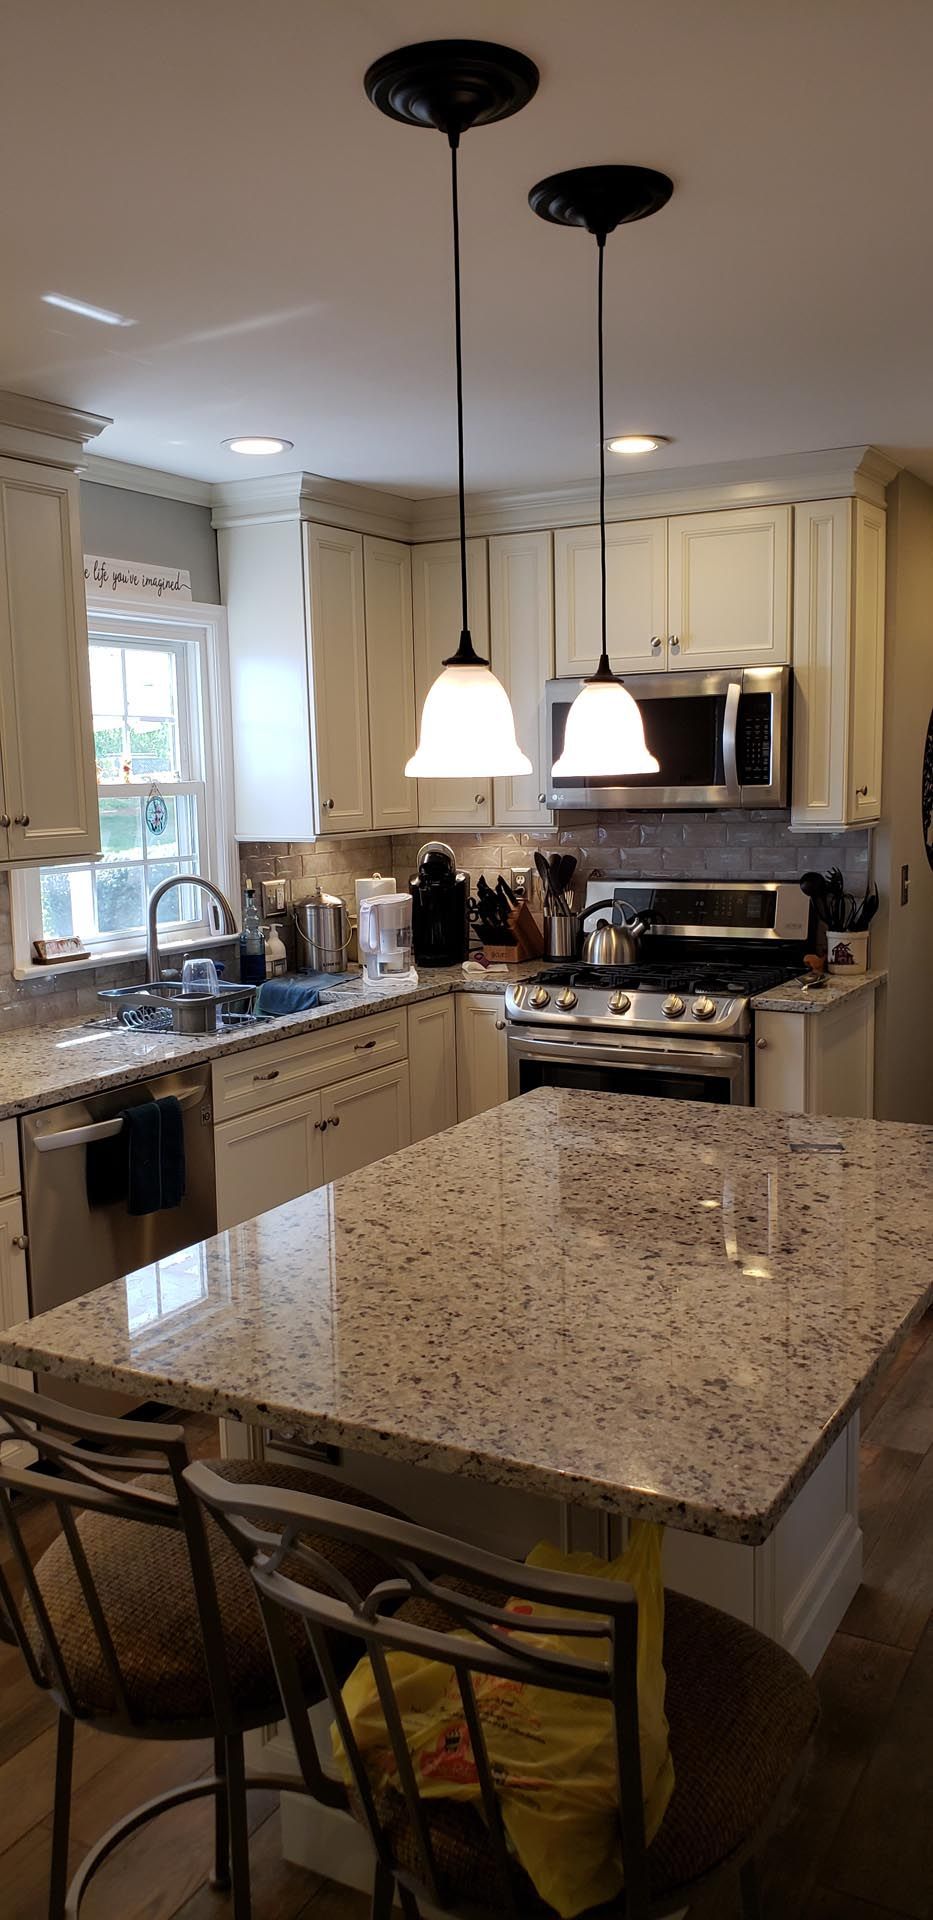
(720,739)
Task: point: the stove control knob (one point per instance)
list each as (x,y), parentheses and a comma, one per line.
(540,997)
(619,1002)
(567,999)
(704,1008)
(519,995)
(674,1006)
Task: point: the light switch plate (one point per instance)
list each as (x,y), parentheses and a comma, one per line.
(274,897)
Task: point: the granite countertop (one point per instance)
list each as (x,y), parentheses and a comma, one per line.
(41,1067)
(645,1306)
(795,998)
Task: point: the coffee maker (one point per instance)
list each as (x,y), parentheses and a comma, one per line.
(440,908)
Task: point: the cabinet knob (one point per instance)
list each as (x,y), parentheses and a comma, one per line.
(656,643)
(329,806)
(542,799)
(761,1045)
(861,793)
(320,1126)
(5,820)
(500,1026)
(22,819)
(334,1120)
(20,1240)
(479,799)
(674,642)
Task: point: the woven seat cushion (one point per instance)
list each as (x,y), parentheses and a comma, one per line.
(740,1711)
(143,1576)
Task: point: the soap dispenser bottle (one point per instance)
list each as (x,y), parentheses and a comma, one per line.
(252,944)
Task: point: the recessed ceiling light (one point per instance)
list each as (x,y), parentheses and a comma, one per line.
(103,314)
(257,444)
(637,443)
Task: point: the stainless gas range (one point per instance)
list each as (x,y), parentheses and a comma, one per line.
(677,1023)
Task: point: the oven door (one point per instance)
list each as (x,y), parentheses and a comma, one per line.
(650,1065)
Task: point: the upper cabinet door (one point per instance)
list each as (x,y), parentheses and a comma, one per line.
(339,698)
(729,588)
(636,597)
(48,773)
(391,681)
(863,789)
(839,550)
(521,630)
(435,585)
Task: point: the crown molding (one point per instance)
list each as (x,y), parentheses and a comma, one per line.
(311,496)
(133,479)
(32,429)
(781,480)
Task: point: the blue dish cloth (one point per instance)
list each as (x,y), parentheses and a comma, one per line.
(143,1166)
(287,996)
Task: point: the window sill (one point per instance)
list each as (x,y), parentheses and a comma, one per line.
(119,956)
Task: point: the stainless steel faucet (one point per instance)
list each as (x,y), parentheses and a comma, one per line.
(153,961)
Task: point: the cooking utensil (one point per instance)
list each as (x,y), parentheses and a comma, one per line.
(865,911)
(565,872)
(544,875)
(814,886)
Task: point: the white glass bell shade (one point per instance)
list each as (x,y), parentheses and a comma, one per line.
(467,729)
(604,734)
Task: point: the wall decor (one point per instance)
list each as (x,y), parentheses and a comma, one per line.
(135,580)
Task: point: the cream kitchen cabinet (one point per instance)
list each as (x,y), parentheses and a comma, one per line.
(819,1063)
(838,663)
(14,1290)
(432,1066)
(521,639)
(436,610)
(48,777)
(390,679)
(636,595)
(364,1119)
(339,691)
(482,1060)
(268,1157)
(729,588)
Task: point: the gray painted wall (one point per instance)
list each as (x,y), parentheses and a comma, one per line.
(142,526)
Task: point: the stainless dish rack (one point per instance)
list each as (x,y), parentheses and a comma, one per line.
(163,1006)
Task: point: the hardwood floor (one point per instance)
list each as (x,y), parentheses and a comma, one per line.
(858,1847)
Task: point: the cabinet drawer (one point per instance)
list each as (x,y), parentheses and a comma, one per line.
(10,1181)
(288,1067)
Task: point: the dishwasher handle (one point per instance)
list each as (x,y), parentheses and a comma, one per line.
(99,1129)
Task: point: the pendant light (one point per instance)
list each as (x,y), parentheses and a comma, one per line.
(467,726)
(604,735)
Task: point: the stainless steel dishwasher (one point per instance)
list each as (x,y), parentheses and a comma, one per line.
(73,1246)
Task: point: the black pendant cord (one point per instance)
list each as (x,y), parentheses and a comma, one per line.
(466,655)
(604,670)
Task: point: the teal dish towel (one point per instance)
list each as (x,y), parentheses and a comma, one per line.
(287,996)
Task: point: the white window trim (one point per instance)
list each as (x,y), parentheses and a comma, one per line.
(140,620)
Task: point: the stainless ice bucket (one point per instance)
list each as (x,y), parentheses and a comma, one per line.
(323,934)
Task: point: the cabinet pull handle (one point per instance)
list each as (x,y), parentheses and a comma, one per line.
(656,643)
(500,1026)
(674,641)
(22,819)
(273,1074)
(761,1045)
(363,1046)
(20,1240)
(5,820)
(861,793)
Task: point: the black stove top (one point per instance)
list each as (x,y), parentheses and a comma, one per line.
(711,976)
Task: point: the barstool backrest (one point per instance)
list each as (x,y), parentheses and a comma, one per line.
(88,1458)
(270,1527)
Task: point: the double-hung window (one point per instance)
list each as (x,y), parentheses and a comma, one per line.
(156,696)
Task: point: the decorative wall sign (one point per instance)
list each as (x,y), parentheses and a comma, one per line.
(927,793)
(135,580)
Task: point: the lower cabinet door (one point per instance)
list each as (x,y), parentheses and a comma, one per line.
(364,1119)
(432,1066)
(14,1306)
(266,1158)
(482,1059)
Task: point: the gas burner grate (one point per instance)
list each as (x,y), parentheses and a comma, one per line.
(702,977)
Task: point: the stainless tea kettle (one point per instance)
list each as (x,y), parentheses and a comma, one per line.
(615,942)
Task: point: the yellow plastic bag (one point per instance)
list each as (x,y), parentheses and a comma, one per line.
(552,1755)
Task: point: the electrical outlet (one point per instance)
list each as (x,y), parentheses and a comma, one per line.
(520,882)
(905,886)
(274,897)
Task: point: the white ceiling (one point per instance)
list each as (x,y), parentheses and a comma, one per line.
(213,169)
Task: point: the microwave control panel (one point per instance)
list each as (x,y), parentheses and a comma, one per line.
(753,740)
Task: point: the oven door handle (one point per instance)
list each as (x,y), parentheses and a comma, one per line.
(730,725)
(705,1057)
(100,1129)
